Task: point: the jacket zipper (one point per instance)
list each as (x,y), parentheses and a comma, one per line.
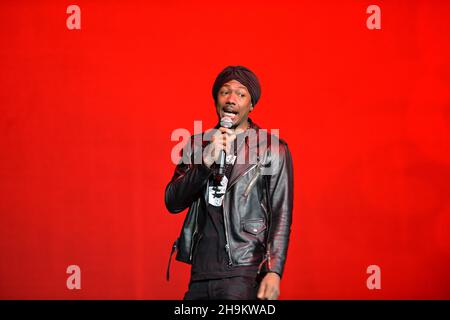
(195,232)
(174,248)
(225,221)
(266,259)
(246,171)
(265,210)
(253,181)
(269,221)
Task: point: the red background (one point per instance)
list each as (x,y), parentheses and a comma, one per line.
(86,119)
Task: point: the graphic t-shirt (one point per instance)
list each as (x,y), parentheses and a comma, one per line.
(211,260)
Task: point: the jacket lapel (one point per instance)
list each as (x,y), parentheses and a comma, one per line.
(249,147)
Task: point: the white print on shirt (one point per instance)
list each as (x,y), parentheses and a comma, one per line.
(216,193)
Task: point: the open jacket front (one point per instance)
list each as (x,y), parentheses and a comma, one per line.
(257,207)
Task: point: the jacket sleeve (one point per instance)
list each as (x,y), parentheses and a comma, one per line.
(188,180)
(281,202)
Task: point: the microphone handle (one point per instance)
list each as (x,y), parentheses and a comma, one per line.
(222,163)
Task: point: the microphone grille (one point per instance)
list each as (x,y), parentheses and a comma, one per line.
(226,122)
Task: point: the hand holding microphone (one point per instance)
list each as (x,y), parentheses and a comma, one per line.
(221,143)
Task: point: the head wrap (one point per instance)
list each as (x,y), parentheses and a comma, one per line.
(241,74)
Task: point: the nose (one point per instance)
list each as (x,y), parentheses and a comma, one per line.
(231,98)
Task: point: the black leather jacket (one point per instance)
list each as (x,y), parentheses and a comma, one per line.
(257,207)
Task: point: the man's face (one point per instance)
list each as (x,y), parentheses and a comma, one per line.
(234,101)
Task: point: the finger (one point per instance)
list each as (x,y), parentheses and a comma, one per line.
(230,139)
(219,147)
(267,293)
(215,137)
(274,294)
(230,143)
(214,148)
(219,140)
(270,294)
(271,291)
(217,133)
(224,130)
(261,291)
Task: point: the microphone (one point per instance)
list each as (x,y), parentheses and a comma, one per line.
(225,122)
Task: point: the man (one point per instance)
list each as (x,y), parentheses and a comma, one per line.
(236,232)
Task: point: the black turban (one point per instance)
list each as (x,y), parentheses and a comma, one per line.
(241,74)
